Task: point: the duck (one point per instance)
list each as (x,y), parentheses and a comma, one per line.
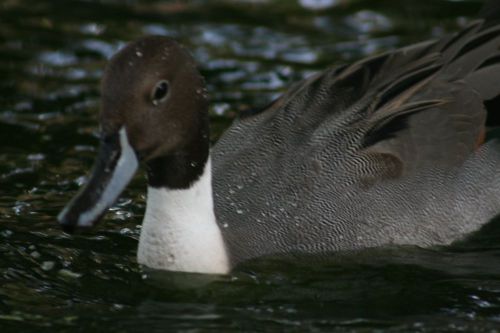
(391,150)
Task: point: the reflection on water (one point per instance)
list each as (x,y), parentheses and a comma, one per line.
(52,55)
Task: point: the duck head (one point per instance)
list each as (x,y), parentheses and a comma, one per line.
(154,110)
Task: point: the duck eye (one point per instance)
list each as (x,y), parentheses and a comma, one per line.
(160,92)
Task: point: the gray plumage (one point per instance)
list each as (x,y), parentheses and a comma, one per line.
(385,151)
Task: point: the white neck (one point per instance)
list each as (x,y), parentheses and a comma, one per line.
(179,231)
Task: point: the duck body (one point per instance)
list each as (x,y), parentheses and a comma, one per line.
(386,151)
(390,150)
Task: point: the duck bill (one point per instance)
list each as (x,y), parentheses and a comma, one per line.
(115,166)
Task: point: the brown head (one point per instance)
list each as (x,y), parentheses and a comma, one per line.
(154,109)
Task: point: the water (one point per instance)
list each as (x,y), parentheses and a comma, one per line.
(51,58)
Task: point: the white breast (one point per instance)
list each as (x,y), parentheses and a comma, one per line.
(179,231)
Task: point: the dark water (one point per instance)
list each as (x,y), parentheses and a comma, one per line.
(51,58)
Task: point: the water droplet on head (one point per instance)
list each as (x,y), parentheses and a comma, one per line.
(239,211)
(225,225)
(139,54)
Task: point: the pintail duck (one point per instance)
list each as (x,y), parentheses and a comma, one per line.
(389,150)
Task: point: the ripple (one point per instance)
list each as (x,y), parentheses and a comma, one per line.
(318,4)
(157,29)
(105,49)
(93,28)
(367,21)
(58,58)
(36,157)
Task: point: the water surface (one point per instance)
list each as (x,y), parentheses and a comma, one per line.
(52,54)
